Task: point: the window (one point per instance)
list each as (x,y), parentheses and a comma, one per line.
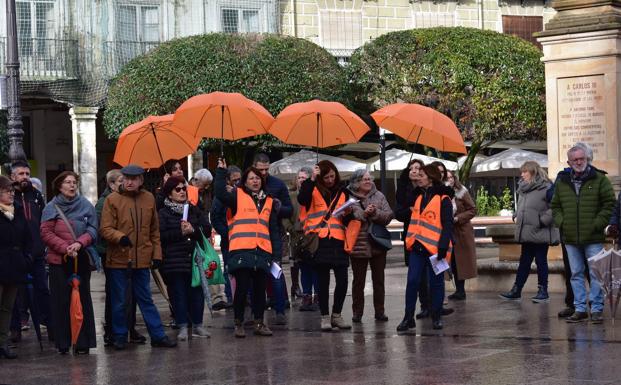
(35,26)
(138,23)
(240,20)
(523,26)
(340,29)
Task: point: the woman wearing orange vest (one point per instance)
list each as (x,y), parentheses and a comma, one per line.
(429,232)
(320,196)
(253,228)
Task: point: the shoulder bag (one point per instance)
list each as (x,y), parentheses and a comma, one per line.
(91,252)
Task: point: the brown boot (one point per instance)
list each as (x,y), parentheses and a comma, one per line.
(261,329)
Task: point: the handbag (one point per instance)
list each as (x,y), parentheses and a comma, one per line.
(310,242)
(207,254)
(91,252)
(380,236)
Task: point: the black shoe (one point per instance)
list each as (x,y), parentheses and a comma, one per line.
(424,313)
(542,295)
(163,343)
(136,338)
(578,316)
(447,311)
(513,295)
(219,306)
(63,351)
(119,345)
(381,317)
(408,323)
(16,336)
(597,317)
(437,324)
(108,340)
(356,319)
(5,352)
(457,296)
(566,313)
(82,351)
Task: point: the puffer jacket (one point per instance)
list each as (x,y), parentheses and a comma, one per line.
(132,215)
(383,215)
(15,248)
(177,249)
(583,217)
(533,219)
(57,237)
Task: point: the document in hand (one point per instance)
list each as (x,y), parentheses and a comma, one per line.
(276,270)
(438,266)
(350,202)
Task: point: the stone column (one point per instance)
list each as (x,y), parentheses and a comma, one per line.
(582,56)
(84,132)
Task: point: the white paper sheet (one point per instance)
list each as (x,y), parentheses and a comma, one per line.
(186,209)
(349,203)
(438,266)
(276,270)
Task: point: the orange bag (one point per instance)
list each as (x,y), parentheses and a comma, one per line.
(351,234)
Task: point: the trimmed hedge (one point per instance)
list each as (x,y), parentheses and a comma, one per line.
(491,84)
(272,70)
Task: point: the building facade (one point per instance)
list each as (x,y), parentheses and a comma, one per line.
(70,49)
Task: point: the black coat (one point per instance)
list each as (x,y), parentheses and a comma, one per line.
(177,249)
(31,204)
(15,248)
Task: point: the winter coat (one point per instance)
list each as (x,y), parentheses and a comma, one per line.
(583,217)
(256,259)
(15,248)
(178,249)
(364,247)
(534,222)
(131,214)
(31,204)
(218,221)
(101,243)
(463,235)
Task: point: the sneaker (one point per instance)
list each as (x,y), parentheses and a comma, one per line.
(163,343)
(6,352)
(542,295)
(457,296)
(437,324)
(513,295)
(261,329)
(566,313)
(182,335)
(326,323)
(578,316)
(280,319)
(338,322)
(597,317)
(200,331)
(239,329)
(219,306)
(25,327)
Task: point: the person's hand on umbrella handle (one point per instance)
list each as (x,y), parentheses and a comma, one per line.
(316,173)
(221,163)
(166,176)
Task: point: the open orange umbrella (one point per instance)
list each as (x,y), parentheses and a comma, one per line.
(76,315)
(422,125)
(222,115)
(319,124)
(152,141)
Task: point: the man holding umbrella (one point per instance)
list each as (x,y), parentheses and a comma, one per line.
(129,224)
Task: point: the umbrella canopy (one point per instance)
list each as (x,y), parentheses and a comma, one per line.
(75,309)
(152,141)
(290,165)
(507,163)
(606,267)
(318,124)
(397,160)
(222,115)
(423,125)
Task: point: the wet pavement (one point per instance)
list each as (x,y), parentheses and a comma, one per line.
(486,341)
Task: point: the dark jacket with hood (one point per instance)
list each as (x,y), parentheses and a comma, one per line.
(15,248)
(31,204)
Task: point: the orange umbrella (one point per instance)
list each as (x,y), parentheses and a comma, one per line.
(420,124)
(152,141)
(318,124)
(222,115)
(75,308)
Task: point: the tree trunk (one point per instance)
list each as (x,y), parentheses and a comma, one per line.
(464,171)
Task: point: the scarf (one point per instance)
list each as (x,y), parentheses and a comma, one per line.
(79,211)
(577,180)
(176,208)
(8,211)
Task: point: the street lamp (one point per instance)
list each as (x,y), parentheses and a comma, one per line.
(15,131)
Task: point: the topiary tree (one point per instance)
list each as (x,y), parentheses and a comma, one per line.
(273,70)
(491,84)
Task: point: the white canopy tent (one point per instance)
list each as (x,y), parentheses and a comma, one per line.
(290,165)
(397,160)
(507,163)
(477,159)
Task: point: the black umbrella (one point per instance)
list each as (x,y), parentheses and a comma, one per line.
(34,310)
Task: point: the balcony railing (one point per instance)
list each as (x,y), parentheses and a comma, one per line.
(45,59)
(118,53)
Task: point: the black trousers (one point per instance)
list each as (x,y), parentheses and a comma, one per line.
(243,279)
(340,290)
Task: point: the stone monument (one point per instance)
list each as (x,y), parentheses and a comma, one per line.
(582,56)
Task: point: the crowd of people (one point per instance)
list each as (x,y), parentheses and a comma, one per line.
(323,223)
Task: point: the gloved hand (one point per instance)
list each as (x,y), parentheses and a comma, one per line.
(125,242)
(612,231)
(442,253)
(156,264)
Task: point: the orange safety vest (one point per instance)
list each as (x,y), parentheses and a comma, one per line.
(249,229)
(314,221)
(426,227)
(193,195)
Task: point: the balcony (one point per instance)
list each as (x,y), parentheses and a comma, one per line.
(118,53)
(45,59)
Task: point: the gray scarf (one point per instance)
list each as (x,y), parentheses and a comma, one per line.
(79,211)
(175,207)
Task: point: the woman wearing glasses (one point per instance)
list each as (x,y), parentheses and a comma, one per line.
(179,239)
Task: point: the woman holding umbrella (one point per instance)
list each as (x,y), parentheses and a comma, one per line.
(15,259)
(250,256)
(66,246)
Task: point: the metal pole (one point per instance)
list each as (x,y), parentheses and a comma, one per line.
(382,143)
(15,129)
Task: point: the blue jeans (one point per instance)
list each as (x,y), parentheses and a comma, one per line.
(188,302)
(577,255)
(142,294)
(538,252)
(309,279)
(417,266)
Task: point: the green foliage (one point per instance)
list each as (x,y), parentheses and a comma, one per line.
(491,84)
(273,70)
(487,205)
(507,199)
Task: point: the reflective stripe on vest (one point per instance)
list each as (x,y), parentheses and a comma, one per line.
(249,229)
(426,227)
(333,227)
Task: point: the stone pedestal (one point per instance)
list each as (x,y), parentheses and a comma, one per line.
(84,129)
(582,56)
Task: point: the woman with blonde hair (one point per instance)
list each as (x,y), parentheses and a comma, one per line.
(534,230)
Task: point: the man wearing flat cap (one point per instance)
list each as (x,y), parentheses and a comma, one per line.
(129,224)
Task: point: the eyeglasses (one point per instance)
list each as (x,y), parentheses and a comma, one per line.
(10,191)
(179,189)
